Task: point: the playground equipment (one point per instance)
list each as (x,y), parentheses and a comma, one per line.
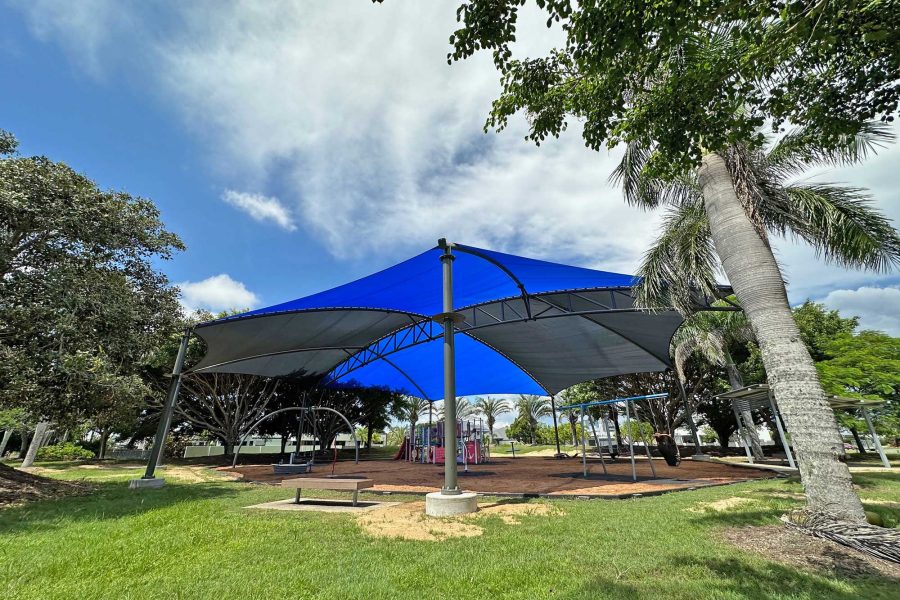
(629,408)
(300,466)
(429,442)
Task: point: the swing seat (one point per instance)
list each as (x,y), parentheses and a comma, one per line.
(291,469)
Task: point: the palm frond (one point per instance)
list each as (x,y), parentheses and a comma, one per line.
(805,146)
(691,339)
(681,263)
(640,189)
(839,223)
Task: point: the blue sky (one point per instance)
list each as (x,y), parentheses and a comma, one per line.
(297,146)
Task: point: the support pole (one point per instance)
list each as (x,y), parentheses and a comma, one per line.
(737,417)
(780,426)
(875,440)
(583,446)
(630,441)
(165,419)
(451,486)
(689,417)
(555,425)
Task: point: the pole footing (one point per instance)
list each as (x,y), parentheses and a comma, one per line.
(438,504)
(146,483)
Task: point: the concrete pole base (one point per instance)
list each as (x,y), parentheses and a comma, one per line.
(441,505)
(700,457)
(152,483)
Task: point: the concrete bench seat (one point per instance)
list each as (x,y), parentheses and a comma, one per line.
(327,483)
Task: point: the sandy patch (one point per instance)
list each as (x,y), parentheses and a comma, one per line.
(787,546)
(512,513)
(722,505)
(409,522)
(190,474)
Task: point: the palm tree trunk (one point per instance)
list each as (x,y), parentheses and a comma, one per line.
(39,431)
(750,265)
(6,435)
(853,430)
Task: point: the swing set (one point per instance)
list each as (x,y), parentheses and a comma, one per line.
(629,409)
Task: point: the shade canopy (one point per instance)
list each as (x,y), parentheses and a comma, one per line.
(527,326)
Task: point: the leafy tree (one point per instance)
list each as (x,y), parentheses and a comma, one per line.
(687,87)
(78,288)
(865,365)
(492,408)
(819,327)
(225,404)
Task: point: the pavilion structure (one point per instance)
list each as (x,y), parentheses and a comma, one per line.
(453,321)
(759,396)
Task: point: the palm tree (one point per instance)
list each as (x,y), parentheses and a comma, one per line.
(721,215)
(532,408)
(464,409)
(491,408)
(410,408)
(711,334)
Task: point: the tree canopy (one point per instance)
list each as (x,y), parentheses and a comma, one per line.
(691,77)
(82,305)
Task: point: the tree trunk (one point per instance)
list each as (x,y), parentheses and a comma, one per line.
(754,275)
(859,444)
(23,443)
(723,434)
(229,447)
(6,435)
(39,431)
(614,416)
(104,438)
(573,425)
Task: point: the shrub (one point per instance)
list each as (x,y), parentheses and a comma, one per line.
(64,451)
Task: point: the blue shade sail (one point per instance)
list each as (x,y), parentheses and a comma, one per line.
(530,326)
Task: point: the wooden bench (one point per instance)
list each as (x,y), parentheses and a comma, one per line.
(327,483)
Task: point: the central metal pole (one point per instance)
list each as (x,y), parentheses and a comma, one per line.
(451,487)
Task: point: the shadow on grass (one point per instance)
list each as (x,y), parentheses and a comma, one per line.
(734,578)
(110,500)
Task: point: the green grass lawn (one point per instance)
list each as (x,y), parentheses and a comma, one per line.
(196,540)
(505,449)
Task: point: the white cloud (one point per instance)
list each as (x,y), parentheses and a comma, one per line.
(261,208)
(877,307)
(217,293)
(351,108)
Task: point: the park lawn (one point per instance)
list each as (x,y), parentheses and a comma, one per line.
(505,449)
(195,539)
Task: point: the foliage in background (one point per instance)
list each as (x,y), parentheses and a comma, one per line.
(64,451)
